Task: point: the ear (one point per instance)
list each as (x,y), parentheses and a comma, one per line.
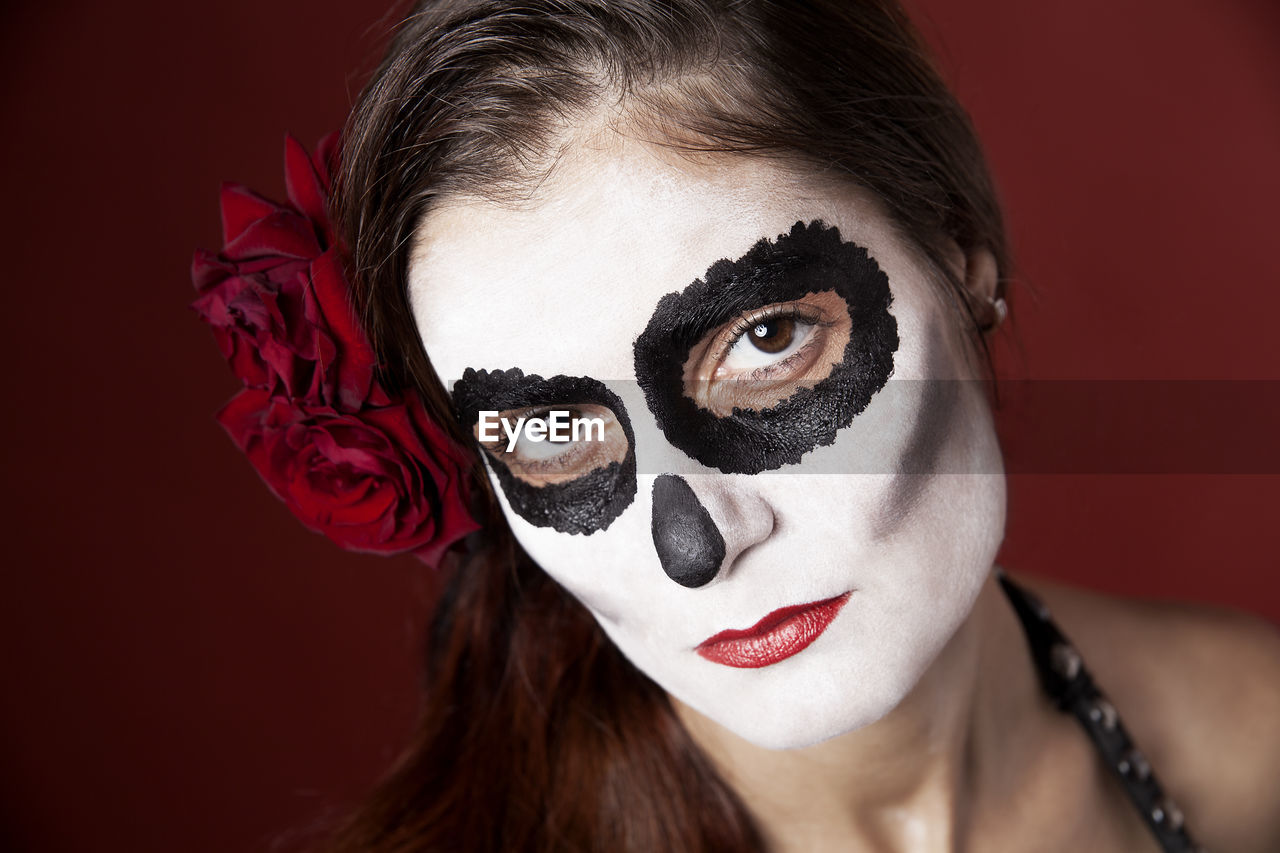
(982,286)
(981,277)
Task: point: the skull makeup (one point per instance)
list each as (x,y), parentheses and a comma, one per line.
(794,502)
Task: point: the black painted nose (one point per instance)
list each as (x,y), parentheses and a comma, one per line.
(688,542)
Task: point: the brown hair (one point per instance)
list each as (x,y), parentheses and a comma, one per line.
(537,734)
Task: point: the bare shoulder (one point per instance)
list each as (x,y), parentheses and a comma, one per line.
(1199,689)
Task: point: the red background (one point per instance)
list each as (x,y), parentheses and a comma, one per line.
(187,668)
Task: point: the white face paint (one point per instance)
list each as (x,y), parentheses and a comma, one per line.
(566,283)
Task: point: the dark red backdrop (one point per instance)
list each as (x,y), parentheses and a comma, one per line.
(188,669)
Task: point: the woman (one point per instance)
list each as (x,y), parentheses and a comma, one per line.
(754,246)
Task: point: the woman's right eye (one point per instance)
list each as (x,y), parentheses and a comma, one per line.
(556,444)
(541,452)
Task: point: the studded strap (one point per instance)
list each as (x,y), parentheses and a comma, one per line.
(1064,677)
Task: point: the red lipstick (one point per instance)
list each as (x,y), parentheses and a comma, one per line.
(783,633)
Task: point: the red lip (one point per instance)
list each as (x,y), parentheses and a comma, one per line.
(783,633)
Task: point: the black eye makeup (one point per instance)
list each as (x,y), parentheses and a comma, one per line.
(765,358)
(577,479)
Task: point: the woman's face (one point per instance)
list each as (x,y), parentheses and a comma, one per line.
(793,495)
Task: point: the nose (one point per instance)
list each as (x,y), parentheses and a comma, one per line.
(691,547)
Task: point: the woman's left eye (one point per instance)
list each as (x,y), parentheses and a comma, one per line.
(766,355)
(766,342)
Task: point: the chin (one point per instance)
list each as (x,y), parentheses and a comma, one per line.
(808,711)
(810,727)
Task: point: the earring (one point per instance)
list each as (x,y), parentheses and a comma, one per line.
(999,310)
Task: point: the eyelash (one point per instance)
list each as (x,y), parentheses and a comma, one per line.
(754,318)
(790,311)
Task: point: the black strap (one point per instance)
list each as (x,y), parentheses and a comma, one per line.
(1070,685)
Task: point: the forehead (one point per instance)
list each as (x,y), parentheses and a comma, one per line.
(564,282)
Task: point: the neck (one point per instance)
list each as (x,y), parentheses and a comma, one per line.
(918,778)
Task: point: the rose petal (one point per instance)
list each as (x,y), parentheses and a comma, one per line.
(349,376)
(304,185)
(241,207)
(278,234)
(207,269)
(325,158)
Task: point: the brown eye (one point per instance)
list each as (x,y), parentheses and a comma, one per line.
(773,335)
(765,356)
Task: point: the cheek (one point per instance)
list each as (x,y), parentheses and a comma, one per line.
(602,570)
(943,521)
(915,486)
(944,562)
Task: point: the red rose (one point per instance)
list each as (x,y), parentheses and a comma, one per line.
(385,481)
(276,296)
(370,471)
